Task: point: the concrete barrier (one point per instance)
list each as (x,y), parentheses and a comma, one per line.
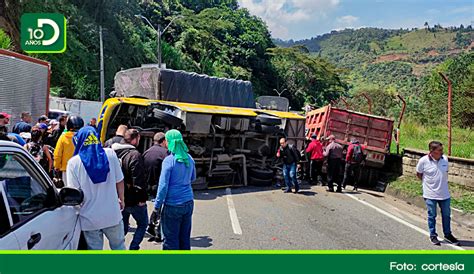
(461,170)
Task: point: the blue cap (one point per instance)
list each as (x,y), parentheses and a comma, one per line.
(43,126)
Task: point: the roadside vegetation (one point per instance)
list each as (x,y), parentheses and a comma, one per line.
(416,135)
(462,198)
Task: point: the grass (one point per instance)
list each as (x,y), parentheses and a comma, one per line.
(414,135)
(421,39)
(462,198)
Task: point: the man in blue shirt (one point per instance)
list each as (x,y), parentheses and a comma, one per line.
(24,124)
(175,194)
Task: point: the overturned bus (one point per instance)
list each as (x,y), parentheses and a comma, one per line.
(232,146)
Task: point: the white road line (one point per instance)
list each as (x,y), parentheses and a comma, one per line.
(233,214)
(422,231)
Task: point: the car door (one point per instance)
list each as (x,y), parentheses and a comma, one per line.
(38,221)
(7,237)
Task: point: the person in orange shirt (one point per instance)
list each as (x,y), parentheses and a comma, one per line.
(65,147)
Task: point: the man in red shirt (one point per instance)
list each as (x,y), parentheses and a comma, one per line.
(354,157)
(315,149)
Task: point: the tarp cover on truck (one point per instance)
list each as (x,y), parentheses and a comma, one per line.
(180,86)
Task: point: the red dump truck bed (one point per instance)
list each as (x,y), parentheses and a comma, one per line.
(373,132)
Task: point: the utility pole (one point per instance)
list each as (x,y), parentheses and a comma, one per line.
(450,95)
(102,92)
(159,32)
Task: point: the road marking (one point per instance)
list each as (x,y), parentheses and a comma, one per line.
(233,214)
(422,231)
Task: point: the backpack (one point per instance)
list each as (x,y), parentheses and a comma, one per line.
(357,155)
(36,150)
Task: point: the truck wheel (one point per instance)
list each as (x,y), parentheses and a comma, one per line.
(167,118)
(260,182)
(261,173)
(268,120)
(269,129)
(264,150)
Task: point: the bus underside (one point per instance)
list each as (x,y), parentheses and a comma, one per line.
(229,150)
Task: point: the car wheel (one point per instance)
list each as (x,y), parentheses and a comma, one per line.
(261,173)
(167,117)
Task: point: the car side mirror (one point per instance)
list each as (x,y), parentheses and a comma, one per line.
(70,196)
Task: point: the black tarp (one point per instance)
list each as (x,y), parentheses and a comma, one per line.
(181,86)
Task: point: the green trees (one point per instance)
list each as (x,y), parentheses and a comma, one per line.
(5,40)
(434,92)
(308,79)
(212,37)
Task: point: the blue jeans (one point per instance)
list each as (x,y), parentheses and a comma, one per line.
(95,238)
(176,226)
(289,173)
(139,213)
(445,215)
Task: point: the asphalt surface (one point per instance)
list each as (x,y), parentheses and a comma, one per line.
(311,220)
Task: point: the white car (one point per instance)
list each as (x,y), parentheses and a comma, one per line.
(33,213)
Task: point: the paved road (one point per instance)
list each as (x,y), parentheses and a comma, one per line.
(267,218)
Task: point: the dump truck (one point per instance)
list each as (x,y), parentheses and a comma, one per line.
(24,85)
(373,132)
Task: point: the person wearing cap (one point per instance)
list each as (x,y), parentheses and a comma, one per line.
(48,139)
(65,147)
(58,131)
(42,126)
(24,124)
(315,149)
(174,200)
(333,152)
(4,121)
(153,159)
(96,171)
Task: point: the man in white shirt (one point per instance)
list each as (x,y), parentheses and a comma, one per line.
(432,170)
(97,172)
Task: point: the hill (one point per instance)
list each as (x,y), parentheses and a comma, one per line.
(386,62)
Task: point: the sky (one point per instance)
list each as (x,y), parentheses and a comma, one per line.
(300,19)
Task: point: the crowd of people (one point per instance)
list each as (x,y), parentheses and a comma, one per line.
(117,180)
(112,178)
(316,153)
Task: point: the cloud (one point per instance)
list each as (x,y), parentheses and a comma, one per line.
(346,21)
(279,14)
